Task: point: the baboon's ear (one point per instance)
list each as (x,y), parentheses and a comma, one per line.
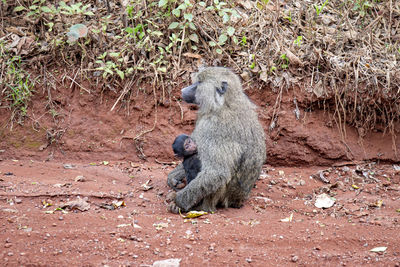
(221,90)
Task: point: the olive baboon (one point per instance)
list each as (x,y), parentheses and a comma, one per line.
(230,143)
(184,147)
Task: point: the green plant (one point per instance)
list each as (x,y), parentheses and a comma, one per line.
(289,16)
(74,9)
(36,9)
(285,61)
(16,84)
(243,41)
(109,67)
(318,9)
(298,40)
(362,6)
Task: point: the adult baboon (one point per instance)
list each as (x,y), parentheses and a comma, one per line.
(184,147)
(230,143)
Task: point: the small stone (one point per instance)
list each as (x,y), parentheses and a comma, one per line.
(10,254)
(60,218)
(212,246)
(188,246)
(168,262)
(8,245)
(294,258)
(302,182)
(80,178)
(18,201)
(248,260)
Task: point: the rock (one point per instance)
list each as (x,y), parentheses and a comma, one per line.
(78,204)
(80,178)
(324,201)
(167,263)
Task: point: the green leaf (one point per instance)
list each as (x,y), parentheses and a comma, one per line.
(202,4)
(211,43)
(182,6)
(192,26)
(102,56)
(114,54)
(157,33)
(194,38)
(230,31)
(162,69)
(176,12)
(173,25)
(225,18)
(235,39)
(89,13)
(188,17)
(50,25)
(162,3)
(219,51)
(46,9)
(19,8)
(121,74)
(30,13)
(222,39)
(129,30)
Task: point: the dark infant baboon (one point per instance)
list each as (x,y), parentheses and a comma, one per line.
(230,143)
(184,147)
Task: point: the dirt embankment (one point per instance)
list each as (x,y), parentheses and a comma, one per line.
(79,125)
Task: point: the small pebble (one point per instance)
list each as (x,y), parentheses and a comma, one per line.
(294,258)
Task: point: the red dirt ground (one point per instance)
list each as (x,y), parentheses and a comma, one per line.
(125,155)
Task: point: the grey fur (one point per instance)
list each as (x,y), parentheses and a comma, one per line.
(230,142)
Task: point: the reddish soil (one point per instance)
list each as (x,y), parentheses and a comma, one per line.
(125,155)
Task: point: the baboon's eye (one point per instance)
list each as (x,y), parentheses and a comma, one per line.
(221,90)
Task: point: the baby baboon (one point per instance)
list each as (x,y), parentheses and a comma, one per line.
(184,147)
(230,143)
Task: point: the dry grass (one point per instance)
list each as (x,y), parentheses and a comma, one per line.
(345,53)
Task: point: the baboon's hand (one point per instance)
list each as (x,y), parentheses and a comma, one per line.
(170,197)
(170,201)
(173,208)
(176,178)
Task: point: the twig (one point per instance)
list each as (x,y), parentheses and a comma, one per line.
(88,91)
(180,48)
(165,163)
(180,106)
(126,90)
